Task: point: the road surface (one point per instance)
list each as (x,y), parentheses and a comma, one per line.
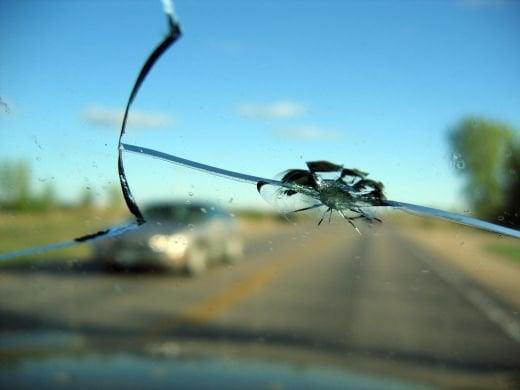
(376,303)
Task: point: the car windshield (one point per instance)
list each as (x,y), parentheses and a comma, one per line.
(263,194)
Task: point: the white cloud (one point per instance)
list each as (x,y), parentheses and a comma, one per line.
(110,117)
(309,133)
(279,109)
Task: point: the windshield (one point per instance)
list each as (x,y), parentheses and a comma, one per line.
(260,194)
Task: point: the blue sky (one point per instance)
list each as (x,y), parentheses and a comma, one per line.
(257,87)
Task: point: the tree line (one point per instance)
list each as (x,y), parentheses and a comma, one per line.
(486,153)
(18,194)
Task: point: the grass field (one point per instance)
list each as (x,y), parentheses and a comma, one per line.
(22,230)
(19,230)
(506,248)
(509,251)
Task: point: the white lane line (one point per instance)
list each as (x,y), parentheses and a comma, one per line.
(483,302)
(495,313)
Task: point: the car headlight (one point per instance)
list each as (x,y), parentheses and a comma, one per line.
(173,245)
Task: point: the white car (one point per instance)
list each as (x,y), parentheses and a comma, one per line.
(176,236)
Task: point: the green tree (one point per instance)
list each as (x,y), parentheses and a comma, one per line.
(7,189)
(48,199)
(480,148)
(16,191)
(86,198)
(15,185)
(114,197)
(512,201)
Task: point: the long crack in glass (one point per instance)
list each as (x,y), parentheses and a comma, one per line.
(174,32)
(351,191)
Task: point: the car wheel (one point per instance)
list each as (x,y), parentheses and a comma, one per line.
(197,260)
(111,266)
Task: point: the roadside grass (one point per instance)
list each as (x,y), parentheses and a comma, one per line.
(19,230)
(505,247)
(510,251)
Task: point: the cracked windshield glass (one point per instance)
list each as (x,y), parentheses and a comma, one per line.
(260,194)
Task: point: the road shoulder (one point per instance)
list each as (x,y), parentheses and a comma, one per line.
(465,250)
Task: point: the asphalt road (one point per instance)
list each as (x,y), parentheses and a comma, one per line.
(373,303)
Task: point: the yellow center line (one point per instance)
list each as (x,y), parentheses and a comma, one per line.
(205,311)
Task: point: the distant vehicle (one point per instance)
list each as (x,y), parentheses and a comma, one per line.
(177,236)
